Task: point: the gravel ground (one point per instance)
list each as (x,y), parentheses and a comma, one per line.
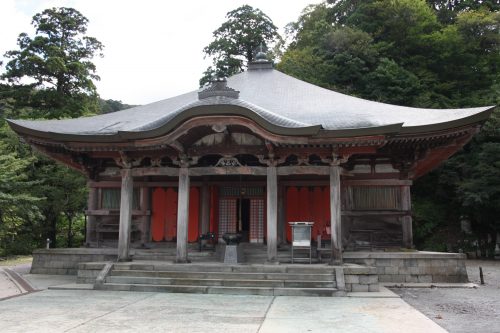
(462,309)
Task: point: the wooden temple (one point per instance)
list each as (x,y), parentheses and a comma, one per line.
(250,154)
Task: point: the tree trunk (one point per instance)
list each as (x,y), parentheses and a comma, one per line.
(70,230)
(51,220)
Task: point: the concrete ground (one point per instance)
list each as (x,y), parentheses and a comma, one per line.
(109,311)
(55,310)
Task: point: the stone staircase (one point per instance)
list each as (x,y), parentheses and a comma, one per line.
(257,253)
(214,278)
(169,255)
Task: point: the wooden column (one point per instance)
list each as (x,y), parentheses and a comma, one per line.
(281,214)
(146,219)
(205,209)
(127,192)
(182,215)
(91,219)
(335,215)
(406,221)
(272,216)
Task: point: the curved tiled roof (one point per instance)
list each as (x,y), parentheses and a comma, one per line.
(277,101)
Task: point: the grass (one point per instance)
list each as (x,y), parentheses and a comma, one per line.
(15,260)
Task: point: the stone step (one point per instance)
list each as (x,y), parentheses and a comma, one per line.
(226,275)
(218,267)
(264,291)
(220,282)
(171,258)
(195,254)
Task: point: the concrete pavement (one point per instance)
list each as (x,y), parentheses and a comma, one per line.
(61,308)
(110,311)
(8,287)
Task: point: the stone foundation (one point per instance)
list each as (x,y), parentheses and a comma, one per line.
(65,261)
(360,278)
(401,267)
(395,267)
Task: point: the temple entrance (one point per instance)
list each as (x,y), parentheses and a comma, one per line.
(242,211)
(243,207)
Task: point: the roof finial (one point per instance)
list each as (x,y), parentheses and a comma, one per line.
(261,56)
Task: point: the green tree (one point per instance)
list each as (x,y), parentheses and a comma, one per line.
(404,52)
(65,192)
(447,10)
(111,105)
(58,60)
(51,76)
(17,202)
(236,41)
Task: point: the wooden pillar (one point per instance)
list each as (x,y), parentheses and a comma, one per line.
(127,192)
(205,208)
(281,214)
(335,215)
(91,219)
(272,216)
(182,216)
(145,219)
(406,221)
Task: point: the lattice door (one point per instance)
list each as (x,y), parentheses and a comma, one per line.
(257,221)
(227,216)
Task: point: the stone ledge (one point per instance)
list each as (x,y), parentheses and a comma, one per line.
(403,255)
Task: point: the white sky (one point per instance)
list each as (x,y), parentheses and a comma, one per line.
(153,49)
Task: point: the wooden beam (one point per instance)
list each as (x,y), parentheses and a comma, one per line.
(406,222)
(281,214)
(205,209)
(182,216)
(303,170)
(377,182)
(335,215)
(241,170)
(111,212)
(127,190)
(156,171)
(305,182)
(374,213)
(224,149)
(272,214)
(91,220)
(145,205)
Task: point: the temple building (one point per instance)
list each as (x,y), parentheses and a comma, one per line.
(249,155)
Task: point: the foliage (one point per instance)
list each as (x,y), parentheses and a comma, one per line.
(438,54)
(17,202)
(58,63)
(111,105)
(447,10)
(50,76)
(236,41)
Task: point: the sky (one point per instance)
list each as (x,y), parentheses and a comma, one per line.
(153,48)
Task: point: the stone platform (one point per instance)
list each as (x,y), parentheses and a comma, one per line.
(394,267)
(418,266)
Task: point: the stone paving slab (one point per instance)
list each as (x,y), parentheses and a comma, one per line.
(44,281)
(109,311)
(73,286)
(382,293)
(8,287)
(430,285)
(346,315)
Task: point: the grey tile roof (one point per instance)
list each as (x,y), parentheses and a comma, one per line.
(278,99)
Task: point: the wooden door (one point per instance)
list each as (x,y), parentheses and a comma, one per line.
(227,216)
